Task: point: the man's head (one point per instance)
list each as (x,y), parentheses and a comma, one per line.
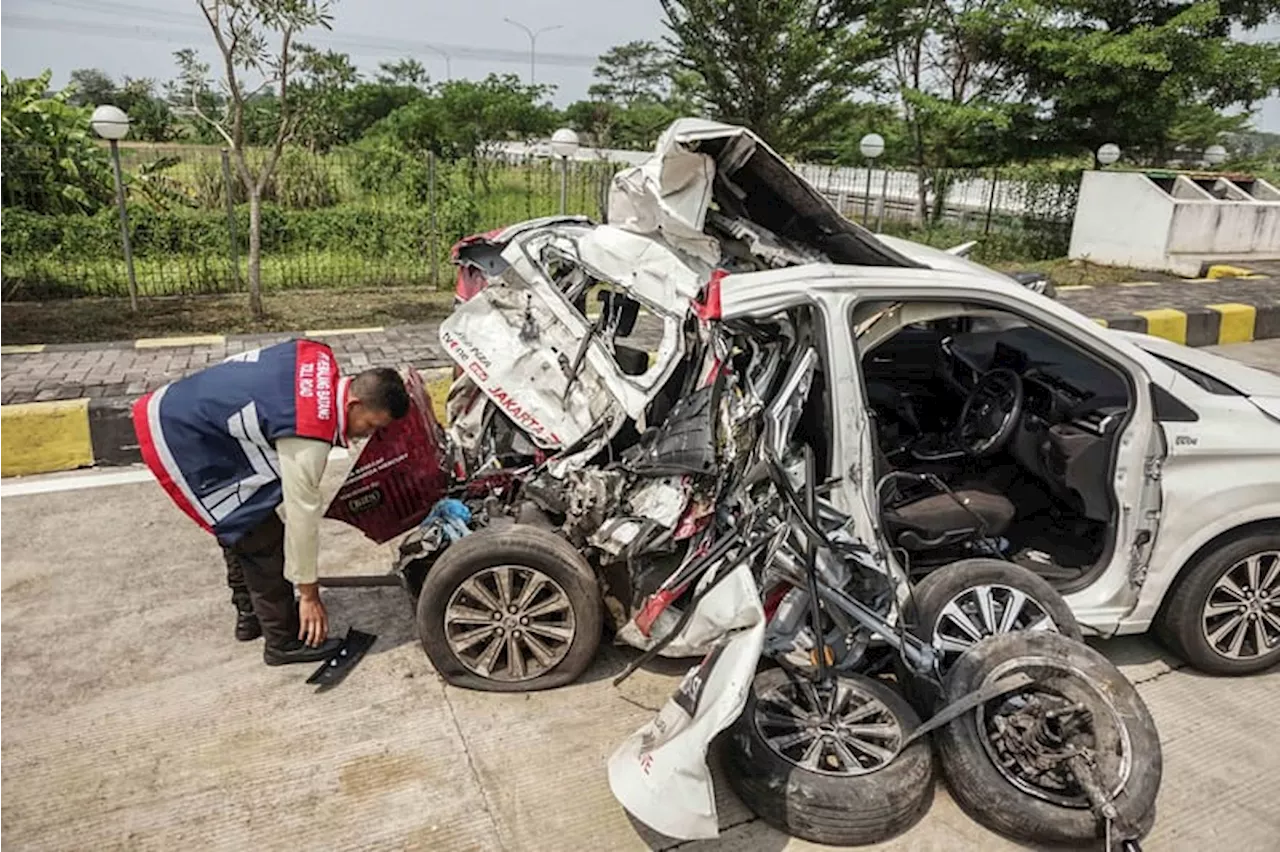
(375,399)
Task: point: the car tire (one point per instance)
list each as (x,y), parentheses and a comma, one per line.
(964,584)
(1187,628)
(1127,748)
(825,807)
(548,609)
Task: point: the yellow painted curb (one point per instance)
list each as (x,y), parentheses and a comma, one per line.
(1167,323)
(27,349)
(1222,270)
(1101,322)
(193,340)
(1237,322)
(41,437)
(333,332)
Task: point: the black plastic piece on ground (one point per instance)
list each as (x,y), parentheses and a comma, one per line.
(336,668)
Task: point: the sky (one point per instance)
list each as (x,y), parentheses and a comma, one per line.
(138,37)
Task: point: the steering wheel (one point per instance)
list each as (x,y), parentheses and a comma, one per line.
(991,413)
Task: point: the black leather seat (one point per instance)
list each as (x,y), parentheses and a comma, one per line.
(922,520)
(939,519)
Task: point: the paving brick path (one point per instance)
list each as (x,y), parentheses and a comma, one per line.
(121,370)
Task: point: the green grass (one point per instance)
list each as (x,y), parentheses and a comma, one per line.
(1068,273)
(92,320)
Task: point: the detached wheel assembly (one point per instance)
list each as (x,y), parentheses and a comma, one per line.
(511,610)
(1058,759)
(960,604)
(820,761)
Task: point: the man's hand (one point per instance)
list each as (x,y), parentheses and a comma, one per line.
(313,621)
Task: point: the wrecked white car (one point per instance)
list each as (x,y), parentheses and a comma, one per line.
(731,423)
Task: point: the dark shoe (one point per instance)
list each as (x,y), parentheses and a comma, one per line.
(296,652)
(247,626)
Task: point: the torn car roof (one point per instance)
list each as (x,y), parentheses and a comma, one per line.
(697,162)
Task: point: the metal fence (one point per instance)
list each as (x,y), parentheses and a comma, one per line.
(377,216)
(345,219)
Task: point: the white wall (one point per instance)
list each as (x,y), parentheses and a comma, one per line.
(1122,219)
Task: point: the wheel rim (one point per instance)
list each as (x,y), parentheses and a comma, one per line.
(1008,728)
(982,611)
(1241,616)
(834,728)
(509,623)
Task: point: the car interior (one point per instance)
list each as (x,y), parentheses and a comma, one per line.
(993,437)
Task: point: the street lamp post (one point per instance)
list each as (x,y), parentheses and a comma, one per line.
(533,41)
(564,144)
(871,146)
(112,124)
(448,67)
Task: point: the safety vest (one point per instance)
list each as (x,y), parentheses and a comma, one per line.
(210,438)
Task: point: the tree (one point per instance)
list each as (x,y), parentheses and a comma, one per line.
(51,163)
(957,100)
(464,119)
(325,79)
(1127,71)
(243,31)
(637,70)
(150,118)
(91,87)
(402,72)
(779,67)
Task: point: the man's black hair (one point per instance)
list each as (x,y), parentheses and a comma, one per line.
(382,389)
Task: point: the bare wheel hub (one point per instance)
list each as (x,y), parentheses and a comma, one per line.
(509,623)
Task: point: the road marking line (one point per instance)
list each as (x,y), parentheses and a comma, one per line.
(1139,283)
(1168,323)
(1068,288)
(193,340)
(41,437)
(96,478)
(333,332)
(1237,324)
(24,349)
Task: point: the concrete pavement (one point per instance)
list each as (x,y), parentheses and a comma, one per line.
(134,721)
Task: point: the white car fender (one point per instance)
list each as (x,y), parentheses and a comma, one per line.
(1186,542)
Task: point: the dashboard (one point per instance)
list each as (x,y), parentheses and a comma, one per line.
(1073,407)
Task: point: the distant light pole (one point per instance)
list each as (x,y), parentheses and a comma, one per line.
(564,144)
(871,146)
(448,68)
(1215,155)
(533,41)
(1108,154)
(112,124)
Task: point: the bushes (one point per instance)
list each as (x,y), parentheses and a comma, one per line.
(371,231)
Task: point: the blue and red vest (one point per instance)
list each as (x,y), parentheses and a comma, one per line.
(210,438)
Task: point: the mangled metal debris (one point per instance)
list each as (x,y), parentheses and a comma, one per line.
(635,437)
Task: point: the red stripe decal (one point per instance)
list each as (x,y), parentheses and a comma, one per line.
(315,391)
(142,426)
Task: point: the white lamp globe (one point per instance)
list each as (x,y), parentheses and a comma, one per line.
(1108,153)
(1215,155)
(564,142)
(110,122)
(871,145)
